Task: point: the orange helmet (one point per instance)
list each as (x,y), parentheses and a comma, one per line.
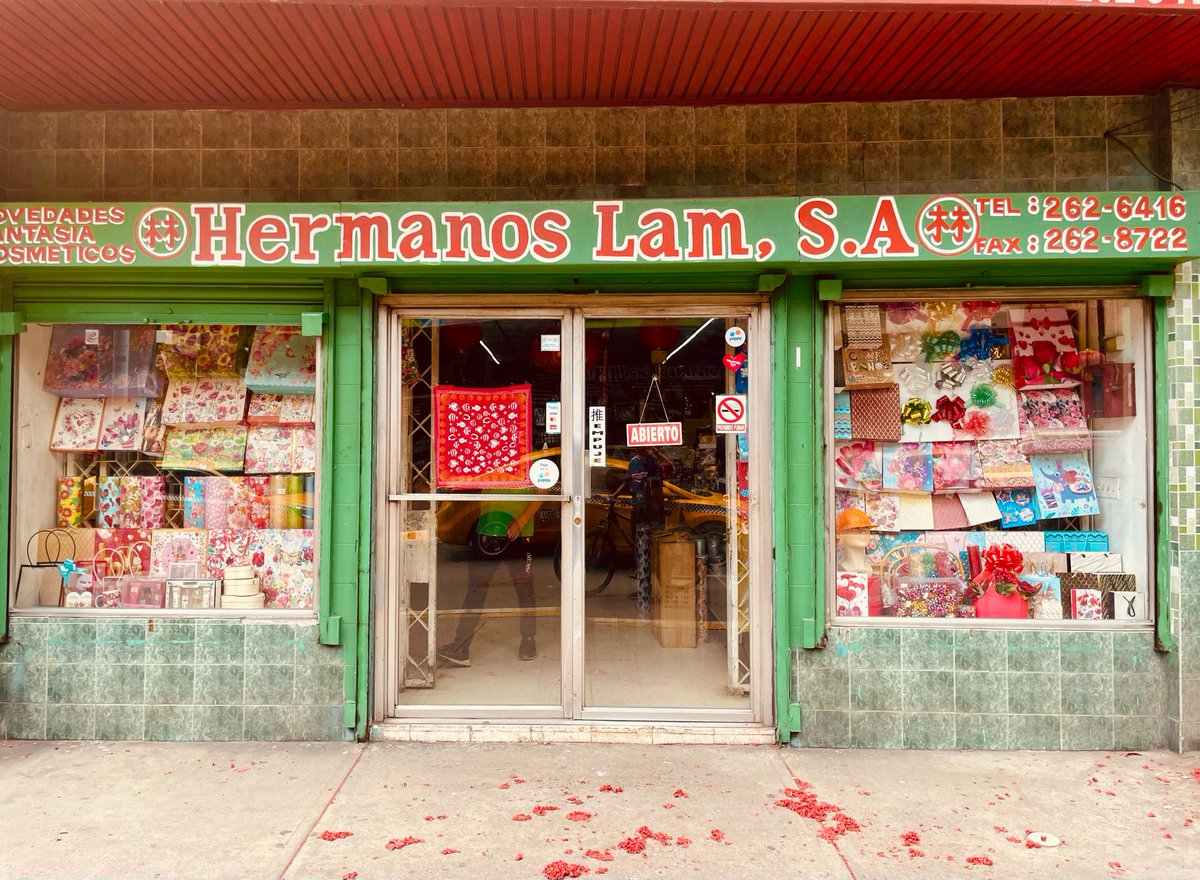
(852,518)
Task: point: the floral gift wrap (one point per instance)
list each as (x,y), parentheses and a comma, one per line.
(192,350)
(107,360)
(283,560)
(203,403)
(282,361)
(205,449)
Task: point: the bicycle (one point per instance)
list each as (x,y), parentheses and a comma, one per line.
(599,550)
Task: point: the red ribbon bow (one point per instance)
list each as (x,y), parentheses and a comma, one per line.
(979,311)
(950,410)
(1002,565)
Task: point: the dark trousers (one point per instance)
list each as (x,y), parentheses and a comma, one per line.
(482,575)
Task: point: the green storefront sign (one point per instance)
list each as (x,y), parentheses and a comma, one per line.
(815,233)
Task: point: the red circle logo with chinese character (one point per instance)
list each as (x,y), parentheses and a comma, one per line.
(162,232)
(947,225)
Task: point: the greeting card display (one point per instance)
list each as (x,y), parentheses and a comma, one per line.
(955,466)
(1044,350)
(122,424)
(1064,486)
(858,464)
(282,361)
(867,367)
(851,593)
(884,511)
(77,425)
(1002,464)
(482,436)
(170,547)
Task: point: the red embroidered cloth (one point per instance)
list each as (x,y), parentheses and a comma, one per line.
(483,436)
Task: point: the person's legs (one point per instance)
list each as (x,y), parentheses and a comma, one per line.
(480,574)
(523,584)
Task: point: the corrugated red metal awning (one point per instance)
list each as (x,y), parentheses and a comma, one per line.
(64,54)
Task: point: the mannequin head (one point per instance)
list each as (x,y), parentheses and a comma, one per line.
(853,528)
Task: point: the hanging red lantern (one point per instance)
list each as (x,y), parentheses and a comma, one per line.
(460,337)
(655,336)
(593,347)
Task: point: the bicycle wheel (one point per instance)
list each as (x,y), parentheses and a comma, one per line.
(599,561)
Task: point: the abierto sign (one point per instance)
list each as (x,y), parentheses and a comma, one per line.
(654,434)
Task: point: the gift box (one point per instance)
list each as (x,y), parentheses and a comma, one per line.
(288,410)
(142,592)
(282,361)
(104,360)
(121,552)
(106,592)
(192,592)
(77,590)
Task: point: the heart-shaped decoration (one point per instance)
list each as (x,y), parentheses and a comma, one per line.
(733,362)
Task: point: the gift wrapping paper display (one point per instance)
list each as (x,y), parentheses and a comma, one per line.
(173,546)
(187,351)
(204,403)
(289,410)
(283,560)
(205,449)
(108,360)
(77,425)
(482,436)
(122,424)
(282,361)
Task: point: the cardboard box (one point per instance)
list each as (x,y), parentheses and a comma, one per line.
(673,585)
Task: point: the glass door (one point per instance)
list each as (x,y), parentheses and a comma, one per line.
(474,461)
(666,540)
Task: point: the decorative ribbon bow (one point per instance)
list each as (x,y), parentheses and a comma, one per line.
(979,311)
(952,375)
(914,378)
(950,410)
(1002,571)
(917,412)
(940,312)
(939,346)
(67,567)
(1041,323)
(977,423)
(980,342)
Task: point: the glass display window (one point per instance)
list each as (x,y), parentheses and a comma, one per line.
(991,459)
(167,468)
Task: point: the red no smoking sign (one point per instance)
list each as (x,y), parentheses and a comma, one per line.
(731,414)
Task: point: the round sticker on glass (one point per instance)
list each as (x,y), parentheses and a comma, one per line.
(735,336)
(543,473)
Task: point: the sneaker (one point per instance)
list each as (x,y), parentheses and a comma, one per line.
(528,649)
(448,656)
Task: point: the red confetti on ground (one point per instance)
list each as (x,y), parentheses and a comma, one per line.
(717,834)
(978,860)
(578,816)
(682,841)
(679,792)
(447,851)
(559,869)
(668,806)
(1013,839)
(1167,836)
(664,839)
(914,853)
(574,800)
(1151,815)
(602,870)
(335,835)
(1032,844)
(599,856)
(1111,793)
(910,838)
(518,857)
(1114,864)
(518,780)
(865,793)
(522,817)
(542,810)
(1164,779)
(350,876)
(607,787)
(1187,823)
(396,843)
(844,824)
(1001,829)
(504,785)
(633,845)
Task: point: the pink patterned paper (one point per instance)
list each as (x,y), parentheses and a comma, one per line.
(227,547)
(482,436)
(123,423)
(304,450)
(269,450)
(130,546)
(884,512)
(283,559)
(205,449)
(169,546)
(204,402)
(216,502)
(77,425)
(282,361)
(154,502)
(1044,350)
(108,503)
(280,409)
(260,506)
(131,503)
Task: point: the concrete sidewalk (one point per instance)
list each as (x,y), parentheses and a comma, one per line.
(251,810)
